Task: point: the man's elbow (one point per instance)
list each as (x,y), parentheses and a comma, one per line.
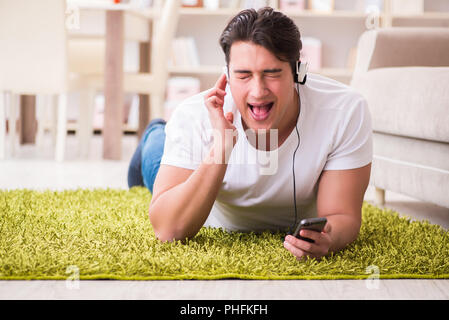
(170,236)
(162,234)
(166,234)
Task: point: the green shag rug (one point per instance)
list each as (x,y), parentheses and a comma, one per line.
(106,234)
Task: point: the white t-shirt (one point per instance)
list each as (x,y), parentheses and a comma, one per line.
(335,132)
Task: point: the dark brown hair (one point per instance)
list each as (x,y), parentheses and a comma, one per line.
(268,28)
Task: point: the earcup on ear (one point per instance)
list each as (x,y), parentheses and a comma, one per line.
(301,72)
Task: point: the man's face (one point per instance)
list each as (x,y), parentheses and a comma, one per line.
(262,87)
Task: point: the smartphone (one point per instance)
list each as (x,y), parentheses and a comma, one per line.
(315,224)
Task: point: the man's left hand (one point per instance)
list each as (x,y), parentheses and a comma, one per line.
(301,248)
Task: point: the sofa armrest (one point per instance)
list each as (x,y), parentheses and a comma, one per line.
(402,47)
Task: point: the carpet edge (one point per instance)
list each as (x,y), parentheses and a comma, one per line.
(230,276)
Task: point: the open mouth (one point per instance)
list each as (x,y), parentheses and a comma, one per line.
(260,111)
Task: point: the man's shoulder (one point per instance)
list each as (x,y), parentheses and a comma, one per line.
(195,102)
(324,93)
(190,108)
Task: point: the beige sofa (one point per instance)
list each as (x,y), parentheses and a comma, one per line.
(404,75)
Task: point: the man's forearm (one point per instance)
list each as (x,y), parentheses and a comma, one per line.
(344,230)
(180,212)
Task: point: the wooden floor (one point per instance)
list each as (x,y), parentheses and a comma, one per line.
(35,169)
(228,290)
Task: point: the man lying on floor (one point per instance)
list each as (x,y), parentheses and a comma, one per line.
(264,148)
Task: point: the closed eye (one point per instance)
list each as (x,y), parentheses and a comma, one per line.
(272,75)
(242,74)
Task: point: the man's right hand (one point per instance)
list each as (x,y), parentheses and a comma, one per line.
(222,124)
(185,197)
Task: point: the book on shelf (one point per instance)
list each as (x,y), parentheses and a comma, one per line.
(311,53)
(132,111)
(130,117)
(179,89)
(98,119)
(234,4)
(256,4)
(192,3)
(369,6)
(184,53)
(292,5)
(321,5)
(211,4)
(407,6)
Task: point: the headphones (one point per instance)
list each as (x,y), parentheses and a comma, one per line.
(303,81)
(301,72)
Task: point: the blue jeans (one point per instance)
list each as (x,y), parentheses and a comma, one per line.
(146,160)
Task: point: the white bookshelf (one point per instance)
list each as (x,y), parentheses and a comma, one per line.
(201,70)
(338,30)
(435,13)
(336,14)
(427,19)
(217,70)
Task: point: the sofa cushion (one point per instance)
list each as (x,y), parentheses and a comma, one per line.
(424,183)
(423,153)
(408,101)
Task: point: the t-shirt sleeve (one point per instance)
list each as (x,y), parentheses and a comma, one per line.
(183,142)
(353,144)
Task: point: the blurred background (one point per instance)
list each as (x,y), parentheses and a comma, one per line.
(59,47)
(80,80)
